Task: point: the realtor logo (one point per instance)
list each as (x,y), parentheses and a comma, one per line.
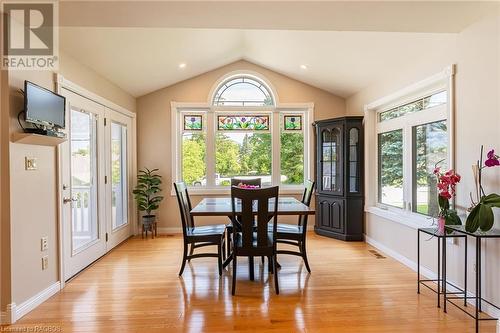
(30,36)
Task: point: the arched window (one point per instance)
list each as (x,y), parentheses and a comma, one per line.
(243,90)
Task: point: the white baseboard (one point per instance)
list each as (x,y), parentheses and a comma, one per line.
(488,309)
(169,230)
(25,307)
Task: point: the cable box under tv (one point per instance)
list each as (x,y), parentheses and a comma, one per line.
(47,132)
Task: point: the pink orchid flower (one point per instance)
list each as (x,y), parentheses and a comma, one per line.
(493,160)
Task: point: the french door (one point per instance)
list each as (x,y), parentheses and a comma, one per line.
(95,164)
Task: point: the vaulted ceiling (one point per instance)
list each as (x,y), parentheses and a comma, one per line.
(344,46)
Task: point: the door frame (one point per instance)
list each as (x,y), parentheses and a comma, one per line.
(60,83)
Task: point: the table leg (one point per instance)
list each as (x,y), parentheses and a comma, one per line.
(444,270)
(418,261)
(465,273)
(251,268)
(477,284)
(479,268)
(440,278)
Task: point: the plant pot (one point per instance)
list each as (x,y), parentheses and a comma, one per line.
(441,225)
(148,219)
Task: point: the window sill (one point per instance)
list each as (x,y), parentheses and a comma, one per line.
(408,219)
(226,191)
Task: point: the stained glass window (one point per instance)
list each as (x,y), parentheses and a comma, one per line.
(250,122)
(193,122)
(243,91)
(292,123)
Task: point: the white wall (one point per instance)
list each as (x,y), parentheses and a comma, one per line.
(476,54)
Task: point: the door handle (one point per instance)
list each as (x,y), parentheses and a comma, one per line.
(66,200)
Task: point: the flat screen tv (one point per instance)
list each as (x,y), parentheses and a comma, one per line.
(43,107)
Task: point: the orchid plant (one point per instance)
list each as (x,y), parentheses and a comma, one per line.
(481,211)
(446,186)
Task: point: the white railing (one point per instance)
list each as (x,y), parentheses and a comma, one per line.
(81,211)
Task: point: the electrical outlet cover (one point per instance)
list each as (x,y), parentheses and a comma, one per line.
(30,163)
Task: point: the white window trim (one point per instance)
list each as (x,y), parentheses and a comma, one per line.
(177,108)
(443,80)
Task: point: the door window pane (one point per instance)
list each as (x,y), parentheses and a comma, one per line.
(193,159)
(118,175)
(240,154)
(390,171)
(83,179)
(430,147)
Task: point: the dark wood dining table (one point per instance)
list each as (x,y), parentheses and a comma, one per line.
(221,206)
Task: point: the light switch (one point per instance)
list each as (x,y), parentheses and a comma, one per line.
(45,262)
(30,163)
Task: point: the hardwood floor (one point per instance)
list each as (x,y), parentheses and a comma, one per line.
(135,288)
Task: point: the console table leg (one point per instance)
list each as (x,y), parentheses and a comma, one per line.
(444,270)
(465,273)
(439,273)
(418,261)
(477,285)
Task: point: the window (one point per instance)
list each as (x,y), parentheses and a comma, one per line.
(242,133)
(411,138)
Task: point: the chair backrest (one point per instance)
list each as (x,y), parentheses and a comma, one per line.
(306,200)
(248,199)
(184,206)
(246,181)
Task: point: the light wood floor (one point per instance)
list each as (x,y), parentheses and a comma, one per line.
(135,288)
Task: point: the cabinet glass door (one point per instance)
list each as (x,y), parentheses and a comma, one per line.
(337,160)
(326,160)
(354,172)
(331,160)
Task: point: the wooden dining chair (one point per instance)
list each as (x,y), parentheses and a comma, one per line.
(254,241)
(196,237)
(235,182)
(296,234)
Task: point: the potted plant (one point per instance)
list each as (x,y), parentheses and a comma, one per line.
(481,211)
(148,185)
(446,185)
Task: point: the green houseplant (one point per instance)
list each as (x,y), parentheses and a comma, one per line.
(145,193)
(481,212)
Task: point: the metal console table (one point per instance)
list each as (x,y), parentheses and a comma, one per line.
(478,235)
(440,281)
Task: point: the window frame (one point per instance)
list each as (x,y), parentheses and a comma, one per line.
(210,112)
(434,84)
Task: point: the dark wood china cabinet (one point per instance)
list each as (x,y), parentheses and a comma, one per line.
(339,178)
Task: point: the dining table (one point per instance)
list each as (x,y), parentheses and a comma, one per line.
(222,206)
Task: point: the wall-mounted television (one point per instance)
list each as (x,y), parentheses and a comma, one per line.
(43,107)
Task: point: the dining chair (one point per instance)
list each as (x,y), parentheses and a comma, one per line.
(235,182)
(251,240)
(196,237)
(296,234)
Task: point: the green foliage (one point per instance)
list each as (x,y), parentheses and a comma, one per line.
(148,184)
(251,157)
(482,215)
(292,157)
(391,158)
(193,153)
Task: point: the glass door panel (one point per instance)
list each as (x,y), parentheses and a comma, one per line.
(354,176)
(119,202)
(336,160)
(326,160)
(83,148)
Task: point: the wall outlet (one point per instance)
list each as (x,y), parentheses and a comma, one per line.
(30,163)
(45,262)
(44,243)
